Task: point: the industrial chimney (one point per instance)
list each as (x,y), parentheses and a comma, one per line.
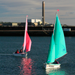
(43,13)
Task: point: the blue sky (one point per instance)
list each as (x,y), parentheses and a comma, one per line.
(16,10)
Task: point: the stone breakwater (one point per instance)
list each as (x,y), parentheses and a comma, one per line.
(34,31)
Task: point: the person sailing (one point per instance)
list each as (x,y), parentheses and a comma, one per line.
(17,51)
(21,51)
(56,62)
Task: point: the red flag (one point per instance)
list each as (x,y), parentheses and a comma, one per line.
(57,9)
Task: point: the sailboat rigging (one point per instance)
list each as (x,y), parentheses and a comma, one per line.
(27,42)
(57,46)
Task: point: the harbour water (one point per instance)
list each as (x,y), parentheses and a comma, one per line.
(33,64)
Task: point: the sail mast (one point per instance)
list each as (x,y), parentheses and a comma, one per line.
(25,35)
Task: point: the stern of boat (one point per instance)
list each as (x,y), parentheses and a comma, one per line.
(20,54)
(51,66)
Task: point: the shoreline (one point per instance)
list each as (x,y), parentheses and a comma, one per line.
(34,31)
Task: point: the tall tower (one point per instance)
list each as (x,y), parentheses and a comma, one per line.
(43,13)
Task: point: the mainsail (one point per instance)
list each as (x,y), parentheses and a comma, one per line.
(57,45)
(60,46)
(27,40)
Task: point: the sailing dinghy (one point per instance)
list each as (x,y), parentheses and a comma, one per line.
(27,43)
(57,46)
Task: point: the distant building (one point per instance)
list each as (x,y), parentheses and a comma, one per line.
(67,29)
(37,20)
(31,20)
(34,22)
(7,24)
(39,23)
(1,24)
(21,24)
(14,24)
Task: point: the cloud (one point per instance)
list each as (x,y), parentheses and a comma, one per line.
(16,10)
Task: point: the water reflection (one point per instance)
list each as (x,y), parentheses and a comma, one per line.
(55,72)
(26,66)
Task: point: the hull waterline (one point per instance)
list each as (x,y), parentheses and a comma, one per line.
(51,66)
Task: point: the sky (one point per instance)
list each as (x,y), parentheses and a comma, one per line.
(16,10)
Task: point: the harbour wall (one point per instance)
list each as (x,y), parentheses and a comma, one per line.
(34,31)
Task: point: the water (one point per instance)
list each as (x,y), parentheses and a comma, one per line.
(33,64)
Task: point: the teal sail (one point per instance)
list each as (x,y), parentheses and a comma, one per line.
(57,46)
(60,46)
(51,52)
